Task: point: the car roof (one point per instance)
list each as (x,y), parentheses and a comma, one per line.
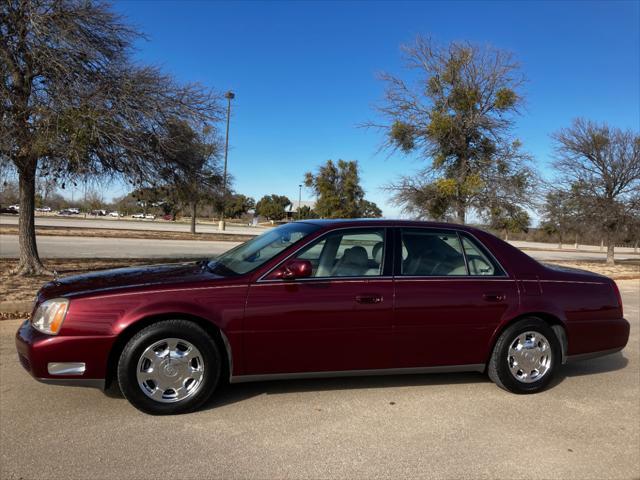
(382,222)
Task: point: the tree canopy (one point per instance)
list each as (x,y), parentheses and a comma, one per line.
(75,104)
(458,116)
(273,206)
(338,191)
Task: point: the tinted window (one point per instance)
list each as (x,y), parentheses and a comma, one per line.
(347,253)
(432,253)
(479,263)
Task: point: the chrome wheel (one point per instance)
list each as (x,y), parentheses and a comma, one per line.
(170,370)
(529,357)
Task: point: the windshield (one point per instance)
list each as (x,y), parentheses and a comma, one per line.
(257,251)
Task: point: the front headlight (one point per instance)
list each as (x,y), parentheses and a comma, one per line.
(50,315)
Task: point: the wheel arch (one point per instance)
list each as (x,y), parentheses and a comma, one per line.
(556,323)
(127,333)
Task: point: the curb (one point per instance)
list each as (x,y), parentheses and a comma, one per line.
(16,307)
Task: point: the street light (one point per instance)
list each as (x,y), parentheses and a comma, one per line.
(299,201)
(229,96)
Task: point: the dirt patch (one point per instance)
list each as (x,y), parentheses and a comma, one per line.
(124,233)
(622,270)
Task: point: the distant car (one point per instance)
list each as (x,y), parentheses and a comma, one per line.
(99,213)
(323,298)
(43,209)
(10,210)
(114,214)
(167,217)
(69,211)
(150,217)
(137,215)
(15,207)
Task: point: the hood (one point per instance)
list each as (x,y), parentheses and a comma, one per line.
(120,278)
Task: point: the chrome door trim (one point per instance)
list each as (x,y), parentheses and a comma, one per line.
(474,367)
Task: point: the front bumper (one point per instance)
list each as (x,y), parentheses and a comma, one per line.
(48,358)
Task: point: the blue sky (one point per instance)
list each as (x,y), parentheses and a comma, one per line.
(305,73)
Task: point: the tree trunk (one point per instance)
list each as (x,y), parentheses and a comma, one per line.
(194,210)
(460,212)
(576,241)
(610,251)
(29,263)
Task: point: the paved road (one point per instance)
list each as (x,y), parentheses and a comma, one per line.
(131,224)
(438,426)
(94,247)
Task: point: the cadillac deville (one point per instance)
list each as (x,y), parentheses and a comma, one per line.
(322,298)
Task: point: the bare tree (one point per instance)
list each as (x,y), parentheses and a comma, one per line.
(458,116)
(197,154)
(74,104)
(599,166)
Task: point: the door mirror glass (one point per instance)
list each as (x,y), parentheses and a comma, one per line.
(296,268)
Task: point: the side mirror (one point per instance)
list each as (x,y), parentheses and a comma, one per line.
(293,269)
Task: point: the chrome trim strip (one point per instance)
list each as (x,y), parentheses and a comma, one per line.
(227,347)
(476,367)
(590,355)
(566,281)
(414,278)
(74,382)
(265,283)
(66,368)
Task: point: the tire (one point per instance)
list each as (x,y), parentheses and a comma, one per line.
(169,367)
(518,355)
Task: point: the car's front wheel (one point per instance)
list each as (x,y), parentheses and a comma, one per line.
(525,356)
(169,367)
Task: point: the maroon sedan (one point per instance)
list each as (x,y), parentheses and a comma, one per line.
(322,299)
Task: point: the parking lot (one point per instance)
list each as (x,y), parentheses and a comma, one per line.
(437,426)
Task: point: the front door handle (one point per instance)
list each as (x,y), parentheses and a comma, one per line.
(369,299)
(494,297)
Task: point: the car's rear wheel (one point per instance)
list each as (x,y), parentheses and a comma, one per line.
(525,356)
(169,367)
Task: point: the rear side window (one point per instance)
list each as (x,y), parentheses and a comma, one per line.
(428,253)
(478,261)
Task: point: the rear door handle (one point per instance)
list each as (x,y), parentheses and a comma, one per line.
(369,299)
(494,297)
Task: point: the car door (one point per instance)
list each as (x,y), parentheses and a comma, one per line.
(450,296)
(337,319)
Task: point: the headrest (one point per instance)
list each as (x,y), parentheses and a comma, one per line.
(356,256)
(376,252)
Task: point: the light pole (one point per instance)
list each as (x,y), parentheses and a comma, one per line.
(299,201)
(229,96)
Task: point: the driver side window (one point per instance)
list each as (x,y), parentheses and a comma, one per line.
(347,253)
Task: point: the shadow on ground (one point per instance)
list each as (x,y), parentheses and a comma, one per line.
(229,394)
(232,393)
